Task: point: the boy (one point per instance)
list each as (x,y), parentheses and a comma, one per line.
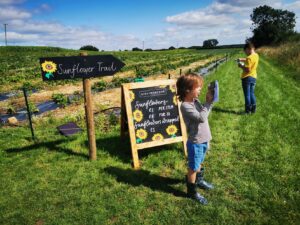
(249,74)
(195,116)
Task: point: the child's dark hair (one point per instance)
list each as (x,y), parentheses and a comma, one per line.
(249,45)
(187,83)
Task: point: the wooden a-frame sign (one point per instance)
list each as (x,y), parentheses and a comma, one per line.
(153,115)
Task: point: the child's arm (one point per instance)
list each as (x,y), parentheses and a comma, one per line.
(189,111)
(244,66)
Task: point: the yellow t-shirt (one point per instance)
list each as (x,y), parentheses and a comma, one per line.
(251,63)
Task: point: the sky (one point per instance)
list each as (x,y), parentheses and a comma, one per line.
(124,24)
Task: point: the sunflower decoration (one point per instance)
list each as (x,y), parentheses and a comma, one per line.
(157,137)
(49,67)
(138,115)
(173,88)
(141,135)
(131,96)
(175,100)
(172,130)
(162,86)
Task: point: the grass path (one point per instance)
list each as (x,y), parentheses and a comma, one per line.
(254,163)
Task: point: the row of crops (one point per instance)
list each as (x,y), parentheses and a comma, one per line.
(21,64)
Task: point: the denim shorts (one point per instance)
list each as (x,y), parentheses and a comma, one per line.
(196,154)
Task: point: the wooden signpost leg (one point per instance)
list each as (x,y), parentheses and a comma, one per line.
(88,103)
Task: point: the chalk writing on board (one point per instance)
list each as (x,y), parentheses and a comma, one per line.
(71,67)
(155,113)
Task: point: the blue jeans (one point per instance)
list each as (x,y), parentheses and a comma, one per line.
(248,85)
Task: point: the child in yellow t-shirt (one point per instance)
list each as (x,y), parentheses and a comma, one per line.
(248,76)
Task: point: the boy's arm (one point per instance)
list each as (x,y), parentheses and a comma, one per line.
(245,66)
(190,112)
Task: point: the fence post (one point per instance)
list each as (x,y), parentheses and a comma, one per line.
(29,113)
(88,105)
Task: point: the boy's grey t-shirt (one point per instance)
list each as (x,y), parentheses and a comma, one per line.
(195,117)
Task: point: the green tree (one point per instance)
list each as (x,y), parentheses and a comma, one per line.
(271,26)
(136,49)
(210,43)
(89,48)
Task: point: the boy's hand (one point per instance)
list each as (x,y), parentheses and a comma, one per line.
(209,96)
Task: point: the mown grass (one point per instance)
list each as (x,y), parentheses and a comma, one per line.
(253,163)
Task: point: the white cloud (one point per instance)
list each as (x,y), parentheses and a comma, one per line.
(226,20)
(55,34)
(224,8)
(43,8)
(249,4)
(10,2)
(23,30)
(199,18)
(11,13)
(294,6)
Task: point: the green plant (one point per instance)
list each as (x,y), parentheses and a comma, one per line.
(118,81)
(100,85)
(113,119)
(32,107)
(11,109)
(60,99)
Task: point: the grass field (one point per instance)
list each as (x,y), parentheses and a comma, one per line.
(254,164)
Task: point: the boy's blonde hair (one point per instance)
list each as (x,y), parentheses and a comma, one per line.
(187,83)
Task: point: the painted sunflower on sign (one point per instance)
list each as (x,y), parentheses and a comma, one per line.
(172,130)
(49,67)
(157,137)
(138,115)
(141,135)
(173,88)
(175,100)
(131,96)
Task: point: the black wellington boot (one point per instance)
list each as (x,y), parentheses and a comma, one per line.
(253,108)
(201,183)
(192,193)
(248,109)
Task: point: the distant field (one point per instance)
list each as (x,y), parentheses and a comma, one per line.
(21,64)
(254,162)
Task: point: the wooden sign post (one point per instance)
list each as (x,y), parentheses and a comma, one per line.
(153,115)
(89,114)
(83,66)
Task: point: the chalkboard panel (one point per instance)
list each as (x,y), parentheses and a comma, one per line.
(71,67)
(155,113)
